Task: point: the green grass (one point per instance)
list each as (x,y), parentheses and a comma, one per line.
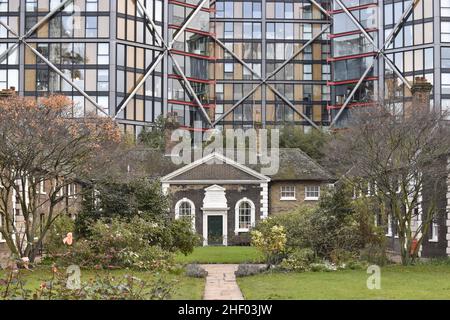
(219,255)
(397,282)
(185,288)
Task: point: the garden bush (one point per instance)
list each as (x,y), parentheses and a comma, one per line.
(53,242)
(104,287)
(195,271)
(245,270)
(137,243)
(270,240)
(298,260)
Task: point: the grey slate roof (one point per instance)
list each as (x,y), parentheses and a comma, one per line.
(297,165)
(294,165)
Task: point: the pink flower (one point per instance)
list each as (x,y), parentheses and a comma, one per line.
(68,239)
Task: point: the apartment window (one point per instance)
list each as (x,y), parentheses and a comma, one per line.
(445,31)
(307,72)
(445,8)
(3,5)
(307,31)
(288,193)
(91,5)
(229,12)
(326,72)
(446,83)
(220,9)
(446,57)
(91,27)
(228,69)
(103,80)
(312,193)
(103,53)
(31,5)
(228,30)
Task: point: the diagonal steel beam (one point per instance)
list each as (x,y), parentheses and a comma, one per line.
(51,65)
(140,84)
(190,89)
(44,19)
(325,12)
(32,29)
(380,51)
(187,22)
(62,75)
(167,48)
(372,41)
(264,81)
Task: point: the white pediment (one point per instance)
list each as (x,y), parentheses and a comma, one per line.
(215,198)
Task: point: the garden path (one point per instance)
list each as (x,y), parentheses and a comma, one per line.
(221,282)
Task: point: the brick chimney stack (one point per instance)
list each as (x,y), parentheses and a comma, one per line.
(5,93)
(421,91)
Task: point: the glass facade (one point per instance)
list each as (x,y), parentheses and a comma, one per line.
(416,50)
(264,40)
(231,63)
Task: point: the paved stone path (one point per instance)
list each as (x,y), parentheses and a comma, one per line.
(221,282)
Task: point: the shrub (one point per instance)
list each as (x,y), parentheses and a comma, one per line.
(101,287)
(270,240)
(195,271)
(298,260)
(53,242)
(245,270)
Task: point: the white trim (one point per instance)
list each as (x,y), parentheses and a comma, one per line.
(434,232)
(389,225)
(211,157)
(311,198)
(177,210)
(264,200)
(294,198)
(224,215)
(236,215)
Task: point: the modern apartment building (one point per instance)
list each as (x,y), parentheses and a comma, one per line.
(380,47)
(226,63)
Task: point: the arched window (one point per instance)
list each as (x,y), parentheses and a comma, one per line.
(185,208)
(245,215)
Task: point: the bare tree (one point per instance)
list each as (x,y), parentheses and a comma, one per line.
(41,144)
(396,158)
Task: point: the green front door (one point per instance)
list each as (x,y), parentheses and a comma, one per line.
(215,230)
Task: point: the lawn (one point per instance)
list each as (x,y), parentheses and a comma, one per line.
(185,289)
(226,255)
(397,282)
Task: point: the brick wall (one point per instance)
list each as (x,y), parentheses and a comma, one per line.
(234,193)
(277,206)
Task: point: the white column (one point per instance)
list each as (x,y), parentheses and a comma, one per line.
(264,200)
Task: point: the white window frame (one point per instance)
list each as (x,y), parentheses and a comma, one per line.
(389,225)
(42,187)
(237,230)
(434,235)
(178,206)
(285,197)
(310,198)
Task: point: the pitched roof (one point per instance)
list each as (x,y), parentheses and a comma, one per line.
(297,165)
(215,166)
(294,165)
